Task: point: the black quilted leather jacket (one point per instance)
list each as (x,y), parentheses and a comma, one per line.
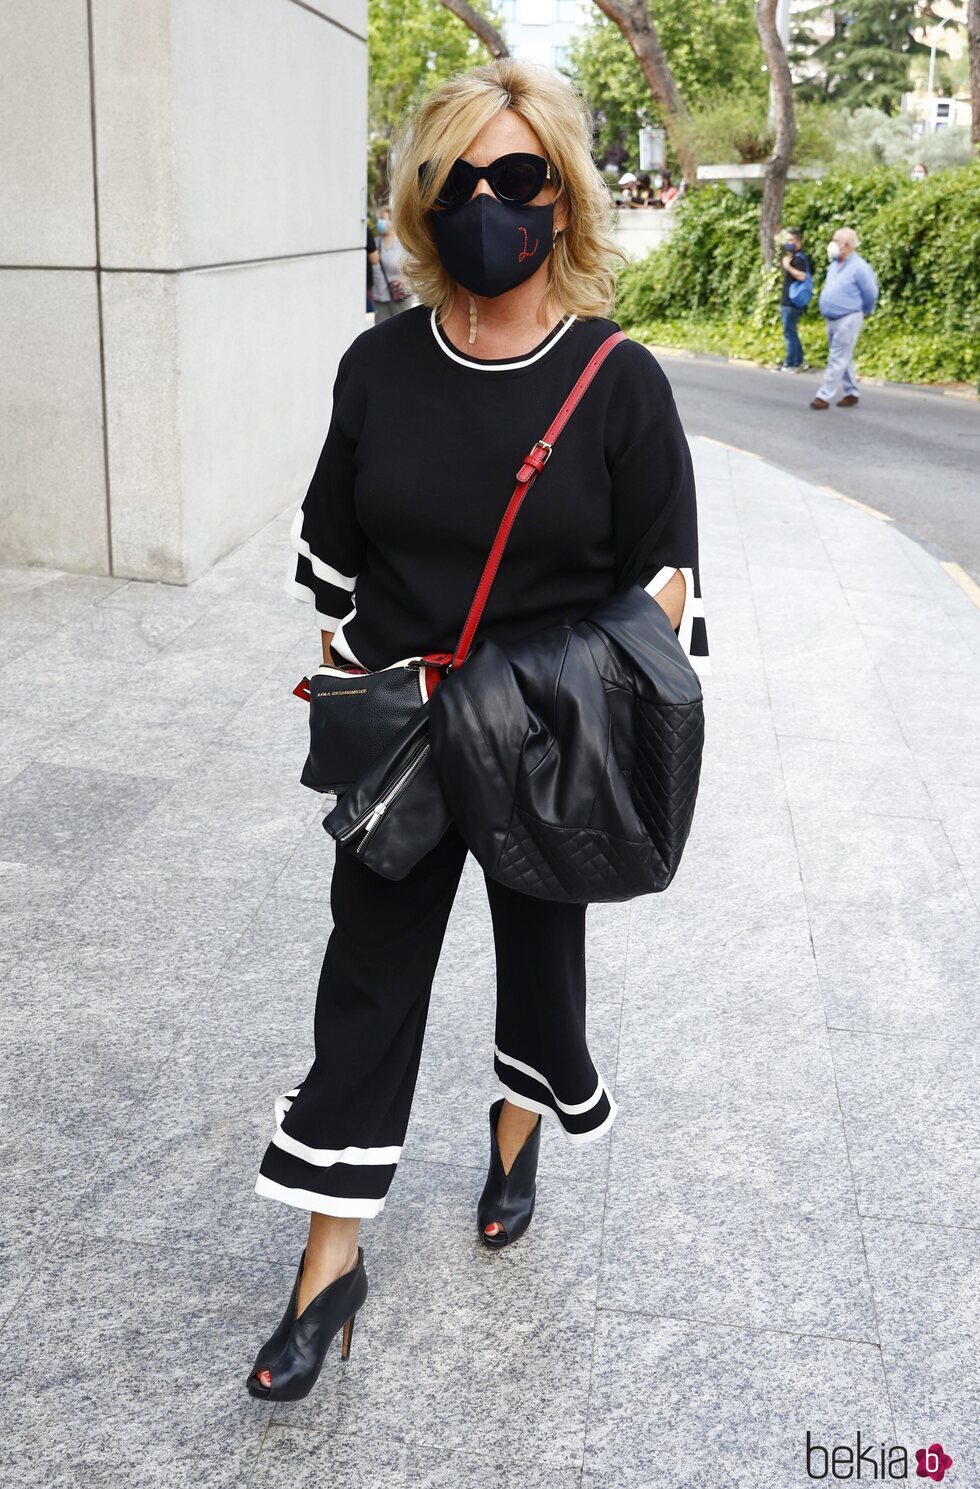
(570,759)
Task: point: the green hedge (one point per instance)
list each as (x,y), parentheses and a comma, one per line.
(705,289)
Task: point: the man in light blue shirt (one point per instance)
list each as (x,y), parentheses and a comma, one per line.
(850,292)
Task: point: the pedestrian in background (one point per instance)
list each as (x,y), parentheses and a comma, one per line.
(389,291)
(797,281)
(644,190)
(627,189)
(850,292)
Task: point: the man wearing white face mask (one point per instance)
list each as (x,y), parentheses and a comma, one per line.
(850,292)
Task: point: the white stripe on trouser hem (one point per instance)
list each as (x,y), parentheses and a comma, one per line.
(321,1204)
(572,1108)
(529,1104)
(325,1157)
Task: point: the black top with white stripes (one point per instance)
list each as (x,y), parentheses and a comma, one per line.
(418,466)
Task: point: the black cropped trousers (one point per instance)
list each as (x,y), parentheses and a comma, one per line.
(339,1134)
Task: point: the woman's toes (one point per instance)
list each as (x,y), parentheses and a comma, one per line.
(492,1229)
(264,1378)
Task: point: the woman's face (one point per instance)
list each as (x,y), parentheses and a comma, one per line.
(506,134)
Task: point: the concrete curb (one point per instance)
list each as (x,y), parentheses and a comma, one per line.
(937,390)
(955,571)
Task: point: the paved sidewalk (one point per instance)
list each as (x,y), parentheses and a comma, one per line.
(780,1234)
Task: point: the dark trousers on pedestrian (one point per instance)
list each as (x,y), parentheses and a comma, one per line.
(794,347)
(339,1134)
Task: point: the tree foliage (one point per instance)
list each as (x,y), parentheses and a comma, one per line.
(705,289)
(867,58)
(713,50)
(413,46)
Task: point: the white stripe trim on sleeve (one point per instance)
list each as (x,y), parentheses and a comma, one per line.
(693,605)
(345,645)
(321,569)
(303,592)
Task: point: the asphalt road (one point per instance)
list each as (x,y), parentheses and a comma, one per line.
(911,454)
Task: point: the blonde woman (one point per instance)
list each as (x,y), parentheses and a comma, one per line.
(504,221)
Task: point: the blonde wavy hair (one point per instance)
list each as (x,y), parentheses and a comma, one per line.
(581,276)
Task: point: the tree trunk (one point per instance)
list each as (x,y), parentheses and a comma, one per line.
(633,19)
(778,164)
(973,34)
(490,37)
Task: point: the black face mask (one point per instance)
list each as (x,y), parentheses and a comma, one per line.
(489,246)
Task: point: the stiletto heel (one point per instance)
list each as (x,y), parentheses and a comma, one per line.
(508,1198)
(294,1353)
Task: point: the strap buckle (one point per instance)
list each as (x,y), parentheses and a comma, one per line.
(542,444)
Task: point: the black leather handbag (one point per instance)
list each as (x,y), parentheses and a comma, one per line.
(401,774)
(355,714)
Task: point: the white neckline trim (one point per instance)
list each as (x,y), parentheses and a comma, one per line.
(496,366)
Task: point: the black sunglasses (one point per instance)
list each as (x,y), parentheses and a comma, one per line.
(512,178)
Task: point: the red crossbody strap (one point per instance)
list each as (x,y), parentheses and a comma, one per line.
(534,463)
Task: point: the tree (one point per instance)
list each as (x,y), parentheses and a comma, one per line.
(866,58)
(619,99)
(635,22)
(413,46)
(714,52)
(785,121)
(480,26)
(973,36)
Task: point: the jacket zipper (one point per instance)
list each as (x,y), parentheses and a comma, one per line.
(370,818)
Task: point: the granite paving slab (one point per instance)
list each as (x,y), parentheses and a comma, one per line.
(677,1405)
(125,1365)
(734,1213)
(911,1111)
(927,1290)
(788,1032)
(317,1460)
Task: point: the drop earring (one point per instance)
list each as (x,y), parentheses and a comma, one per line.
(472,320)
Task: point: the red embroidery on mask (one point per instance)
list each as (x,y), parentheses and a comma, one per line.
(526,253)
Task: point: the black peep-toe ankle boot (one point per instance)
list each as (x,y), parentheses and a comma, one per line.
(295,1352)
(508,1198)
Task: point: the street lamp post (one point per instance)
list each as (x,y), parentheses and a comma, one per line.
(932,54)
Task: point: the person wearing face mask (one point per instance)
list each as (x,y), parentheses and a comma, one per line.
(506,228)
(796,270)
(849,294)
(388,289)
(667,191)
(919,173)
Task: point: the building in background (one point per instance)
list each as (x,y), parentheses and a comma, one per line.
(181,267)
(542,30)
